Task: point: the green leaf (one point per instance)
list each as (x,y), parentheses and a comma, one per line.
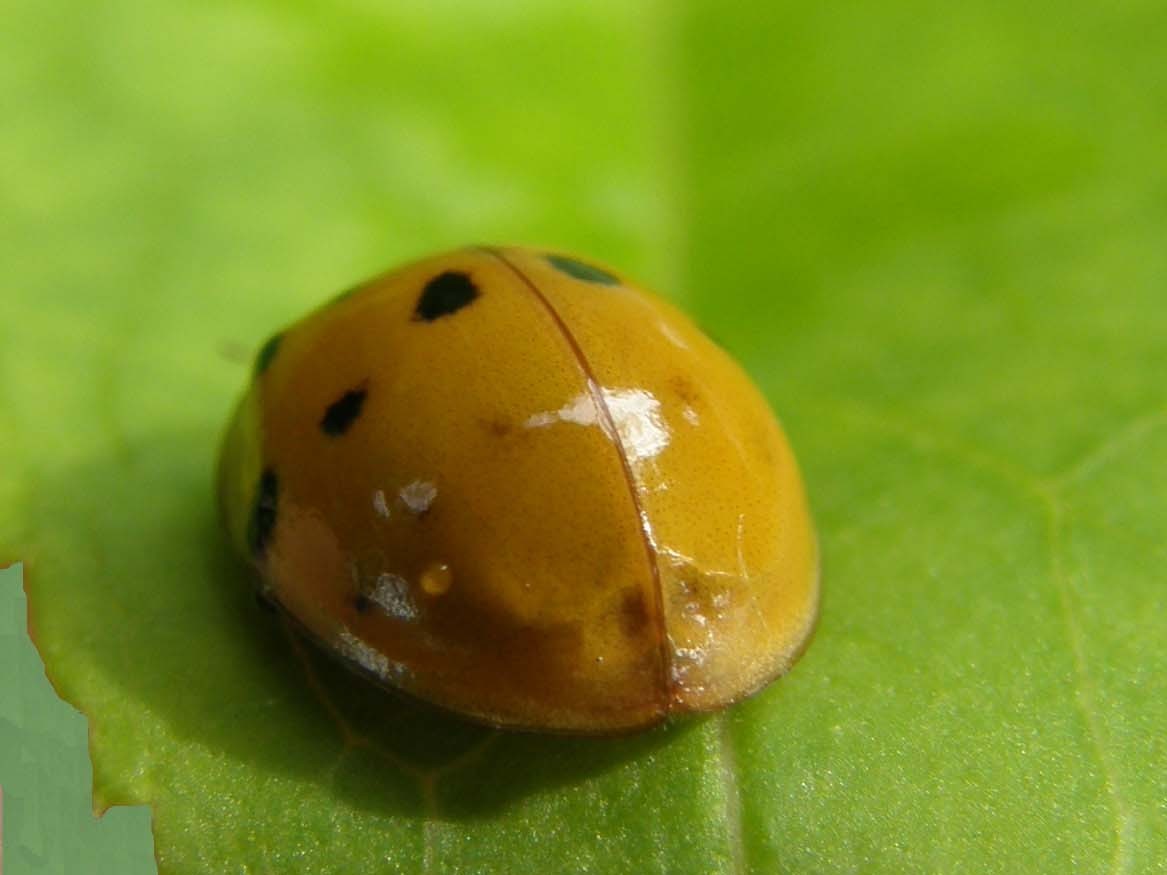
(45,820)
(934,234)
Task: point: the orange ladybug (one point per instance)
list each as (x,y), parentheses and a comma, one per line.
(513,484)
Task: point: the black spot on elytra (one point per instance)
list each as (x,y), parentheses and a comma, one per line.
(263,513)
(267,352)
(446,293)
(362,603)
(343,412)
(580,271)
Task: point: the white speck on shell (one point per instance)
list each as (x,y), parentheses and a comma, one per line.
(353,648)
(391,594)
(418,496)
(692,655)
(685,659)
(380,505)
(369,658)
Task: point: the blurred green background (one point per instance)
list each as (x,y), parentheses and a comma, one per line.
(936,234)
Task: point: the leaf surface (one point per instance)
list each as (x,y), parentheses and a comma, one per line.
(935,236)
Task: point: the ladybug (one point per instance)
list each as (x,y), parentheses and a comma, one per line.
(513,484)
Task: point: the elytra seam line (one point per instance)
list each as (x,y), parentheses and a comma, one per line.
(597,396)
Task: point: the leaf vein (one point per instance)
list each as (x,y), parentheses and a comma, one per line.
(1109,450)
(1085,697)
(731,792)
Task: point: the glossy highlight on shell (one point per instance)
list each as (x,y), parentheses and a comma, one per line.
(514,485)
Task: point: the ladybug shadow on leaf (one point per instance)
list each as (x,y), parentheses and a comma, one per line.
(132,585)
